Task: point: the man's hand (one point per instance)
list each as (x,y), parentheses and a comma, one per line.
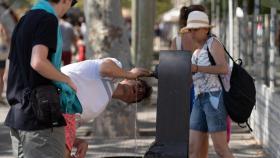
(71,84)
(138,72)
(82,147)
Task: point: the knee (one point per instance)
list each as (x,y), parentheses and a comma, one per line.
(193,153)
(222,151)
(191,149)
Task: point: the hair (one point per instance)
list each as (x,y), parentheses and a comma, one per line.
(185,11)
(54,1)
(147,91)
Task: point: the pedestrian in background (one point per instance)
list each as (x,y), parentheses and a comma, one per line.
(4,52)
(69,40)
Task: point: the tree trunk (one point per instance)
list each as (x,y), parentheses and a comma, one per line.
(143,32)
(107,37)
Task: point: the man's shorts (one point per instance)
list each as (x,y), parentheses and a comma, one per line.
(205,117)
(40,143)
(70,130)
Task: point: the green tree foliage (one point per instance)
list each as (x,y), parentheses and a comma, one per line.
(126,3)
(20,3)
(29,3)
(161,6)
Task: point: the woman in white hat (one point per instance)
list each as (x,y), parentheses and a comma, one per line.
(208,114)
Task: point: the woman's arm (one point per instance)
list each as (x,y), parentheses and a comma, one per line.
(218,53)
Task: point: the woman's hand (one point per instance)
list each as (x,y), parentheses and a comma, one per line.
(194,68)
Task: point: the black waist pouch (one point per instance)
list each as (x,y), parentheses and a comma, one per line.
(45,103)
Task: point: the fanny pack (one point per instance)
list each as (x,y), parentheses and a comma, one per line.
(45,103)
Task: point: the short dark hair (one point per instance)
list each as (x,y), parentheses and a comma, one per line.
(54,1)
(147,90)
(185,11)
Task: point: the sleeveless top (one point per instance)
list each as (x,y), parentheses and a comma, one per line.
(205,82)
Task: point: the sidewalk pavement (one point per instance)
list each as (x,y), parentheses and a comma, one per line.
(242,142)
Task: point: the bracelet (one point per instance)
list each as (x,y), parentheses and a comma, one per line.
(196,68)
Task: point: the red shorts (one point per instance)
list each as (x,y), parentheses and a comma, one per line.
(66,57)
(70,130)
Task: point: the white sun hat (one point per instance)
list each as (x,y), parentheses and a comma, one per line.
(197,19)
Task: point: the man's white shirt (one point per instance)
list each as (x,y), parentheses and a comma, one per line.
(93,91)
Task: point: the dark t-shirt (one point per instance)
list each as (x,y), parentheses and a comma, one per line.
(34,28)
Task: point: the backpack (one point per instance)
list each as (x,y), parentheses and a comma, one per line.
(240,100)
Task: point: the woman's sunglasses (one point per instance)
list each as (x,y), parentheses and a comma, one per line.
(193,29)
(73,2)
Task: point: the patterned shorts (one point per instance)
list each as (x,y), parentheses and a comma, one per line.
(70,130)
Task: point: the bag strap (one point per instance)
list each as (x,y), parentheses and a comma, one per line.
(212,61)
(247,125)
(224,50)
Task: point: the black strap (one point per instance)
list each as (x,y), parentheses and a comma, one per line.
(212,61)
(244,126)
(234,61)
(228,55)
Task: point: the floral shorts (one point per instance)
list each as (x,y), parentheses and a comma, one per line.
(70,130)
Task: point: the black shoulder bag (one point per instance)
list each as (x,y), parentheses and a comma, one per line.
(45,102)
(241,97)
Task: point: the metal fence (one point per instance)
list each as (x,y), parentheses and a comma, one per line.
(263,62)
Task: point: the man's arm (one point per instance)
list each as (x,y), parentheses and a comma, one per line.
(109,68)
(41,64)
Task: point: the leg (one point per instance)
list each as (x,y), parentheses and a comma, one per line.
(16,143)
(204,147)
(66,57)
(220,144)
(216,121)
(197,139)
(198,132)
(2,70)
(228,128)
(48,143)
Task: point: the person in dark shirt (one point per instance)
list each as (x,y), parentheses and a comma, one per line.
(35,41)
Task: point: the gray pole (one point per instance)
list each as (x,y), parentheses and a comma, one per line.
(172,138)
(217,23)
(212,11)
(134,33)
(244,35)
(272,48)
(224,22)
(143,32)
(230,17)
(255,21)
